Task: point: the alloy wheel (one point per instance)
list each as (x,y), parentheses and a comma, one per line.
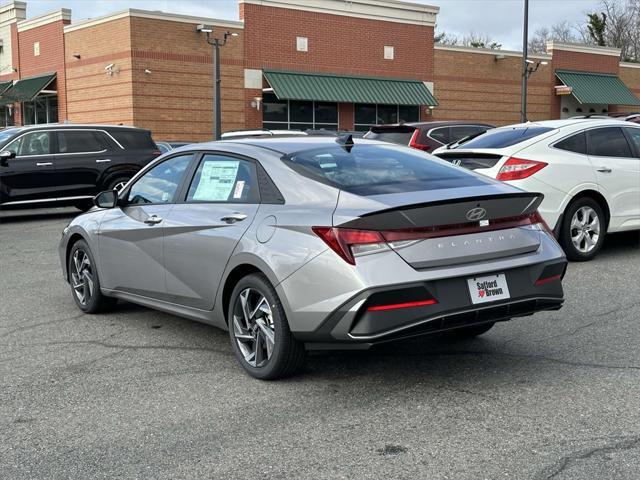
(253,327)
(585,229)
(119,186)
(82,277)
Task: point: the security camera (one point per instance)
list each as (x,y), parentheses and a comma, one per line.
(109,67)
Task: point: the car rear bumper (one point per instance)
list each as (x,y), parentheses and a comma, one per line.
(355,325)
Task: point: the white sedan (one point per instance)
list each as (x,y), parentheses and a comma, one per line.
(587,169)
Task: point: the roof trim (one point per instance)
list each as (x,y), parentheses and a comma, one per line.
(629,65)
(489,51)
(582,48)
(384,10)
(64,15)
(155,15)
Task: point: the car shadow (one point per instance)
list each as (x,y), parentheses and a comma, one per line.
(21,216)
(620,244)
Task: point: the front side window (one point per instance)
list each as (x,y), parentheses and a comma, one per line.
(34,143)
(379,169)
(79,141)
(575,143)
(160,184)
(634,134)
(608,142)
(224,179)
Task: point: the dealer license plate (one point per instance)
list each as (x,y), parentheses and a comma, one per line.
(488,288)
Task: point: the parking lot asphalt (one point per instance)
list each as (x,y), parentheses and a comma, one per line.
(143,394)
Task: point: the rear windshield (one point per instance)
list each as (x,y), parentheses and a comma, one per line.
(379,169)
(501,138)
(400,137)
(134,139)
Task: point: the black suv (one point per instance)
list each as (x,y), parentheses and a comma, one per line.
(69,164)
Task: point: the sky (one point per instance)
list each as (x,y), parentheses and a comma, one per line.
(501,19)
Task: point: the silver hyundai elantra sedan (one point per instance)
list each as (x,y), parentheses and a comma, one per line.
(313,243)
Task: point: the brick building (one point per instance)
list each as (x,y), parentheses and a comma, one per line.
(294,64)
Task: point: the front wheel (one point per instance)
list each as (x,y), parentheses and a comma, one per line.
(583,229)
(259,331)
(84,281)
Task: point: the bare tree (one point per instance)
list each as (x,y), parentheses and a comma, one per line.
(562,32)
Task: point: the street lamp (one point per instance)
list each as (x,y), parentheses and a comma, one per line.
(217,43)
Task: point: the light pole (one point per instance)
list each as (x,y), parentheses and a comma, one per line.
(217,43)
(525,75)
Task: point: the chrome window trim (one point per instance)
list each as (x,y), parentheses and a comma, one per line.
(56,130)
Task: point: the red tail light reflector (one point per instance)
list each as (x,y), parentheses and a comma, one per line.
(518,168)
(543,281)
(413,143)
(396,306)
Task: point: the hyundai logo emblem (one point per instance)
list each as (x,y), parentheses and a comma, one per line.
(476,214)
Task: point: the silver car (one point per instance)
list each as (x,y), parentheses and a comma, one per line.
(313,243)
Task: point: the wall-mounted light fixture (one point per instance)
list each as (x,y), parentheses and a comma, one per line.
(255,103)
(147,71)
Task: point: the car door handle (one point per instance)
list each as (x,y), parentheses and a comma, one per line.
(604,170)
(234,217)
(103,160)
(43,164)
(153,220)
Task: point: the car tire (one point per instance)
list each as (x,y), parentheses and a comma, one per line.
(84,281)
(471,331)
(118,183)
(259,331)
(583,229)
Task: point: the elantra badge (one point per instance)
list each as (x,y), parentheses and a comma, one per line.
(476,214)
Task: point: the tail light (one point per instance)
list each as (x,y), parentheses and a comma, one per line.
(348,243)
(518,168)
(398,306)
(413,143)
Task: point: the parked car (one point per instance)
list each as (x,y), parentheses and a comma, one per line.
(68,164)
(588,171)
(334,133)
(426,136)
(315,242)
(635,118)
(165,147)
(261,133)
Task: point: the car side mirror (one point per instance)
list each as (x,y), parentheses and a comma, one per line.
(106,199)
(6,155)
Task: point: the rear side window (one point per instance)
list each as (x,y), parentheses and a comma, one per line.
(440,135)
(134,139)
(608,142)
(500,138)
(459,132)
(224,179)
(575,143)
(79,141)
(379,169)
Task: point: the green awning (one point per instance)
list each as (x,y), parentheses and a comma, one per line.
(598,88)
(339,88)
(26,89)
(4,86)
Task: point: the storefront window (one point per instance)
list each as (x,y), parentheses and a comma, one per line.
(298,115)
(368,115)
(43,109)
(6,117)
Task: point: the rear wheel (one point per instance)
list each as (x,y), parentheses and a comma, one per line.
(259,331)
(84,281)
(472,331)
(583,229)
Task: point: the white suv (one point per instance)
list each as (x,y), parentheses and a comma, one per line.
(587,169)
